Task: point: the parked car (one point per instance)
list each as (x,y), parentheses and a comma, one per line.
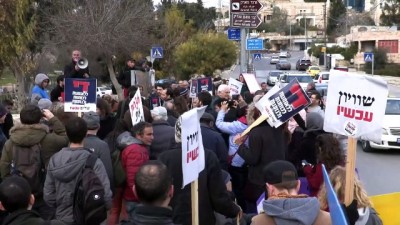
(390,128)
(274,59)
(166,81)
(321,78)
(283,64)
(273,77)
(302,78)
(313,70)
(303,64)
(103,91)
(345,69)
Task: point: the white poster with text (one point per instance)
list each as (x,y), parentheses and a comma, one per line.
(355,105)
(235,86)
(136,108)
(193,159)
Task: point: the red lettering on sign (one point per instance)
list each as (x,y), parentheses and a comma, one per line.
(84,84)
(192,155)
(355,114)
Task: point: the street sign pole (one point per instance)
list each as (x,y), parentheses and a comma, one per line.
(373,61)
(243,50)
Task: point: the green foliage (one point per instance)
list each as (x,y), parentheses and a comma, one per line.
(202,17)
(336,12)
(391,13)
(18,23)
(347,53)
(203,54)
(380,60)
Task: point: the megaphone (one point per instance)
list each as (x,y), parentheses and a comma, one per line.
(82,63)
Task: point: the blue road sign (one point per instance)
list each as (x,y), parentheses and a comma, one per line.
(234,34)
(368,56)
(257,56)
(254,44)
(157,53)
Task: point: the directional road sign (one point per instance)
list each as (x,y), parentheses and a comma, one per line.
(254,44)
(234,34)
(257,56)
(245,6)
(368,56)
(157,52)
(249,20)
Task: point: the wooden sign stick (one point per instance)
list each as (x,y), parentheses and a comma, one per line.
(195,201)
(254,124)
(350,170)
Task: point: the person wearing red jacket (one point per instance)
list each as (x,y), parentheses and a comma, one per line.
(134,156)
(329,154)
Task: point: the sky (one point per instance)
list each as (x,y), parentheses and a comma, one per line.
(206,3)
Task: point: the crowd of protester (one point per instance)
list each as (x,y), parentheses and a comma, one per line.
(139,166)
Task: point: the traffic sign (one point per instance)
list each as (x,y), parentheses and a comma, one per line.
(249,20)
(245,6)
(368,56)
(234,34)
(254,44)
(157,52)
(257,56)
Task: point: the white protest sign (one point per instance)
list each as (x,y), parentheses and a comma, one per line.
(251,82)
(136,108)
(192,145)
(355,105)
(235,86)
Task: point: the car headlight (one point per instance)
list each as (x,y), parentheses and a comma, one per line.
(384,131)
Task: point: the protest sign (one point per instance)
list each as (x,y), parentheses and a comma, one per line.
(193,89)
(235,86)
(355,105)
(192,145)
(204,84)
(336,211)
(251,82)
(136,108)
(279,105)
(80,95)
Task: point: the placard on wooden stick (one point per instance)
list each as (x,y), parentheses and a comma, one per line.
(350,170)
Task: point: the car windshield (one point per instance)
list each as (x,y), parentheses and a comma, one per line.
(393,107)
(283,61)
(275,57)
(274,74)
(314,68)
(305,61)
(301,79)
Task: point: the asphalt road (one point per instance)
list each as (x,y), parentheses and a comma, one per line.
(378,170)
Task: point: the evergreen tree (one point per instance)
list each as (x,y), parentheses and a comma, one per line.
(336,12)
(391,13)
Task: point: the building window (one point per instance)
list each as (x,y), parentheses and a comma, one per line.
(269,17)
(391,46)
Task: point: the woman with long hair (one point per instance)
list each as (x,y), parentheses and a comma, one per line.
(329,154)
(366,213)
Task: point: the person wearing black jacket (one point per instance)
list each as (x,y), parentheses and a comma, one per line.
(124,76)
(213,195)
(56,95)
(72,70)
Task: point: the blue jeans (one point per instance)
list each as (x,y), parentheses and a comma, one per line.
(130,208)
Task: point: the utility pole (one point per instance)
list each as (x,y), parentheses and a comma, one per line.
(326,47)
(243,61)
(305,31)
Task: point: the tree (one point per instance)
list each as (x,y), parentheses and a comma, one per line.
(380,60)
(279,20)
(391,13)
(203,18)
(104,28)
(337,10)
(18,23)
(175,30)
(203,54)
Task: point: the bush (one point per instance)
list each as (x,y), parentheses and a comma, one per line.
(380,60)
(388,70)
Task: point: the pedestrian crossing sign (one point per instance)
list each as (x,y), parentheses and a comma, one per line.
(157,53)
(257,56)
(368,56)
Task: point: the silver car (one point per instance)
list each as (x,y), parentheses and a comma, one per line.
(283,64)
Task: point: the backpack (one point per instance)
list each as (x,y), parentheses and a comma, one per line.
(118,170)
(27,163)
(89,206)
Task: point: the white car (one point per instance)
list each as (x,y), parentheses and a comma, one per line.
(274,59)
(302,78)
(322,78)
(390,128)
(103,91)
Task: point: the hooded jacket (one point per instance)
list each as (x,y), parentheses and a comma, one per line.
(368,216)
(29,135)
(27,217)
(62,173)
(292,211)
(133,156)
(38,92)
(232,128)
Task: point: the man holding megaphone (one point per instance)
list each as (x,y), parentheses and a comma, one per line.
(78,68)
